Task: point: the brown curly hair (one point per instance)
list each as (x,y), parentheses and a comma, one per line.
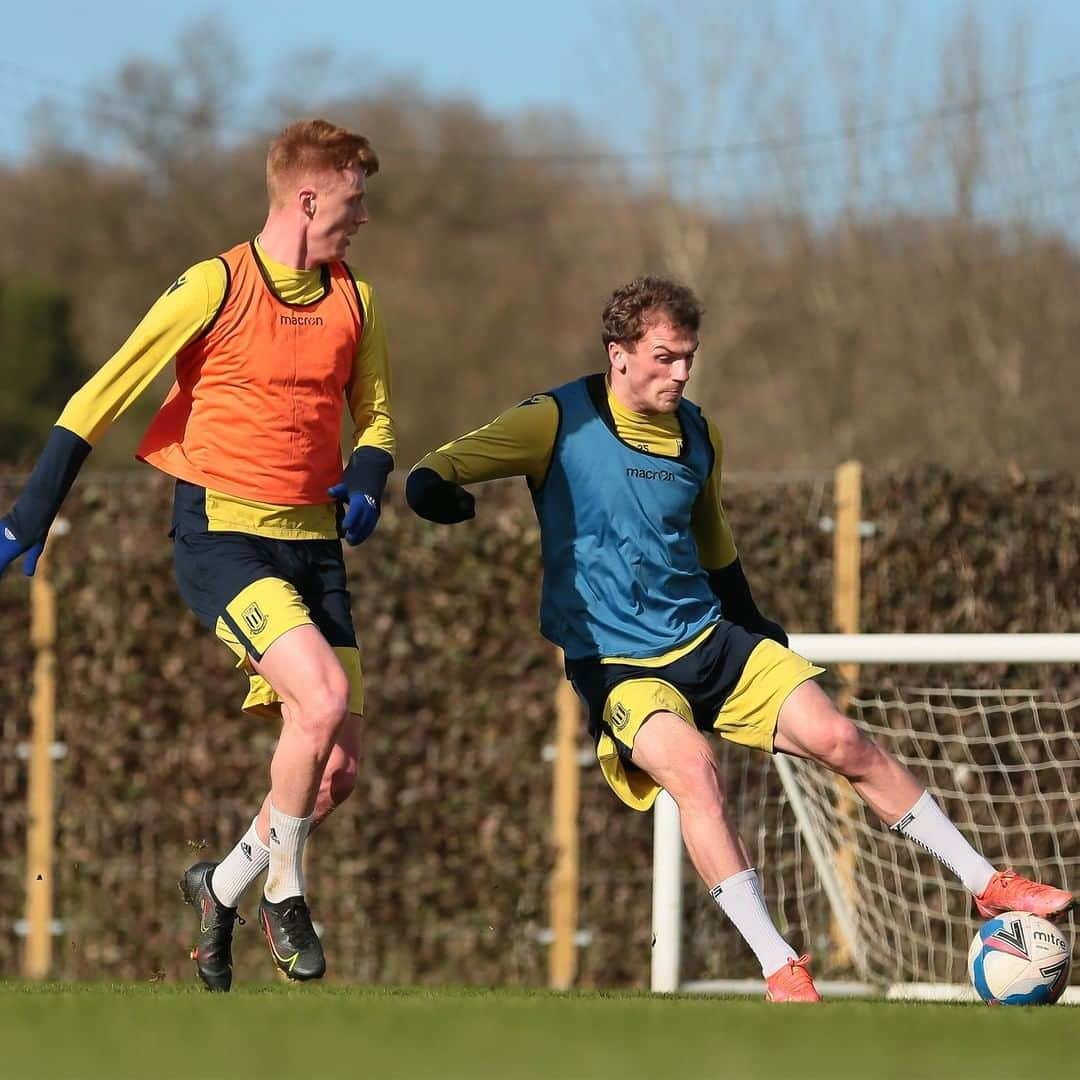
(632,307)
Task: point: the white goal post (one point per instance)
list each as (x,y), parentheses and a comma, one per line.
(1005,764)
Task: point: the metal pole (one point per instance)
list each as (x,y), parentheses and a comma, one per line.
(667,895)
(563,887)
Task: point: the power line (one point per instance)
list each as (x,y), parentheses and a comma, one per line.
(767,144)
(850,131)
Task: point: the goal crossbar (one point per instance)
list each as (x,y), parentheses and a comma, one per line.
(938,648)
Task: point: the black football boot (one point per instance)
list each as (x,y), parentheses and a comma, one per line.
(213,948)
(294,945)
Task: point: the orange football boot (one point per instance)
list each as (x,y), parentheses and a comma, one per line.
(793,982)
(1008,891)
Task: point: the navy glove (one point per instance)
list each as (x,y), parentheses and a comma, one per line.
(437,499)
(361,513)
(360,492)
(11,548)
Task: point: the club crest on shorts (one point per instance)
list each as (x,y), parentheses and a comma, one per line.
(254,619)
(620,716)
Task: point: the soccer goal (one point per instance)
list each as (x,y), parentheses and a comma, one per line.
(880,915)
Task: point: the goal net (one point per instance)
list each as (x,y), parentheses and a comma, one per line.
(876,910)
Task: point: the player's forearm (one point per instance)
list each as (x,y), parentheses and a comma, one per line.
(375,429)
(731,588)
(49,483)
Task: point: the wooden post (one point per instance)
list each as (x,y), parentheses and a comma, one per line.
(37,959)
(563,887)
(847,552)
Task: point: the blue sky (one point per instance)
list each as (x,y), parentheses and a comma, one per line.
(472,47)
(574,54)
(733,78)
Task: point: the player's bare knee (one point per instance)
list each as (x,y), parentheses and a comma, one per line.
(323,709)
(847,750)
(695,782)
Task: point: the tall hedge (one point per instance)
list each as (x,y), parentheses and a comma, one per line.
(436,871)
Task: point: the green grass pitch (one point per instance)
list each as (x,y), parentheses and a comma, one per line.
(161,1032)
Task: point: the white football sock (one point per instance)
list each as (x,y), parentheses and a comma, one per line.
(739,897)
(240,867)
(287,836)
(926,824)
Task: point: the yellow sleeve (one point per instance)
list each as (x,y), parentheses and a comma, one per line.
(369,388)
(709,524)
(517,443)
(184,310)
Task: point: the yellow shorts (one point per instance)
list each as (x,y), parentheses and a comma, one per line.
(268,609)
(732,682)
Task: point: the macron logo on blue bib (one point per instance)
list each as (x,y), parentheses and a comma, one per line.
(650,474)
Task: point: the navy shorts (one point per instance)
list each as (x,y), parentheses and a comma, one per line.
(234,578)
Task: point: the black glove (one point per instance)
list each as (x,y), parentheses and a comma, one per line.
(437,499)
(737,603)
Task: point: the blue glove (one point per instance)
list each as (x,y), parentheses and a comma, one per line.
(37,506)
(11,548)
(361,513)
